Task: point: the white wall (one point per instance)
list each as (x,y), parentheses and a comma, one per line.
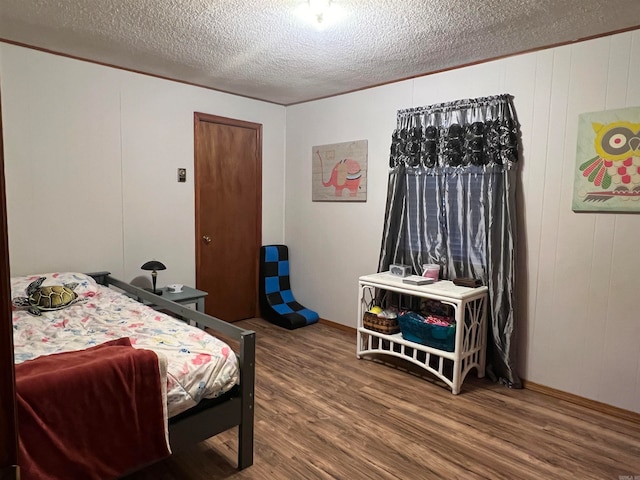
(579,325)
(91,159)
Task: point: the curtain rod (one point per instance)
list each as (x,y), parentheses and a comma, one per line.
(456,104)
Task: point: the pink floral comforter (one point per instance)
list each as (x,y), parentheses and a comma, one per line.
(199,365)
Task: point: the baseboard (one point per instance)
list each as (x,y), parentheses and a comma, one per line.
(339,326)
(584,402)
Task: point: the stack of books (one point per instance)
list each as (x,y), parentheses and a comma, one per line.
(417,280)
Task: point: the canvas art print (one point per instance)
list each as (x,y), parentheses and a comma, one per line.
(607,176)
(339,172)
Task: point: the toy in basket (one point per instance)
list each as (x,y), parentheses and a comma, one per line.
(432,330)
(381,321)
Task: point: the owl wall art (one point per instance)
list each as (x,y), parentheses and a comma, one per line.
(607,176)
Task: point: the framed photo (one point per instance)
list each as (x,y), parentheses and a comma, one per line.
(607,174)
(339,172)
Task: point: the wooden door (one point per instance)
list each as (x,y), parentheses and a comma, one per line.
(8,426)
(228,194)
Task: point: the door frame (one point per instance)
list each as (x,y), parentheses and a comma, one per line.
(257,128)
(8,410)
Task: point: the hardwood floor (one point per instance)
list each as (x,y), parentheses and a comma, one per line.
(323,414)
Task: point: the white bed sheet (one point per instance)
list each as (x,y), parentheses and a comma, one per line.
(199,365)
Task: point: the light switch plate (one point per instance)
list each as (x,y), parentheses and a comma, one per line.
(182,175)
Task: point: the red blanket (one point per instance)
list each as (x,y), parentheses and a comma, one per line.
(90,414)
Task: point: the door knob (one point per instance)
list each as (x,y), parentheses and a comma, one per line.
(207,239)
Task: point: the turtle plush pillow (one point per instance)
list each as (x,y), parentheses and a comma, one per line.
(51,291)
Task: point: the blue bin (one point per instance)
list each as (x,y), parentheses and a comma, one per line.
(415,329)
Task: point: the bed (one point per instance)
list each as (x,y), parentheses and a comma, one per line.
(205,387)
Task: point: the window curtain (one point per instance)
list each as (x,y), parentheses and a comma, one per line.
(451,202)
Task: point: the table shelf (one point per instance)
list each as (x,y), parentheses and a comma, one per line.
(470,307)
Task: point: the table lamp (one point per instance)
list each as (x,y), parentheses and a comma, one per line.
(154,266)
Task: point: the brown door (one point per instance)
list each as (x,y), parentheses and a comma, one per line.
(228,194)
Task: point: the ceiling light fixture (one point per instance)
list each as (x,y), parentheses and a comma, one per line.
(320,13)
(319,9)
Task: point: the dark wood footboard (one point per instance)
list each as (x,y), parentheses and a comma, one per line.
(236,408)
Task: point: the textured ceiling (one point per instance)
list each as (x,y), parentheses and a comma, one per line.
(263,49)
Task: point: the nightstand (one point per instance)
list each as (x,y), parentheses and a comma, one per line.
(187,296)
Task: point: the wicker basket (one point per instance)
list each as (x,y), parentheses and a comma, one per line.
(378,324)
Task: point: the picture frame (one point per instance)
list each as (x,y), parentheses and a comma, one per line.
(339,172)
(607,173)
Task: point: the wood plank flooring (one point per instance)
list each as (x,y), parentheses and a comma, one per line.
(323,414)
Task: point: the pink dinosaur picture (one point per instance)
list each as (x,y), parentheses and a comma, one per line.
(340,172)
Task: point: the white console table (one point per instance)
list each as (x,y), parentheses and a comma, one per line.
(470,306)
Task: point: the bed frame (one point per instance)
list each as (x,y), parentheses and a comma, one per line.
(210,417)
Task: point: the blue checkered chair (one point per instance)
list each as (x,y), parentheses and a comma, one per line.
(277,303)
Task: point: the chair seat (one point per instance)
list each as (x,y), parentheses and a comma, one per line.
(277,303)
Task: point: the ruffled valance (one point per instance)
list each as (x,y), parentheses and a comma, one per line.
(478,132)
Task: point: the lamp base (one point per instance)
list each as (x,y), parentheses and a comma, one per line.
(157,292)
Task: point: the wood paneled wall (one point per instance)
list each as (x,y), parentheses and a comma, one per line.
(577,321)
